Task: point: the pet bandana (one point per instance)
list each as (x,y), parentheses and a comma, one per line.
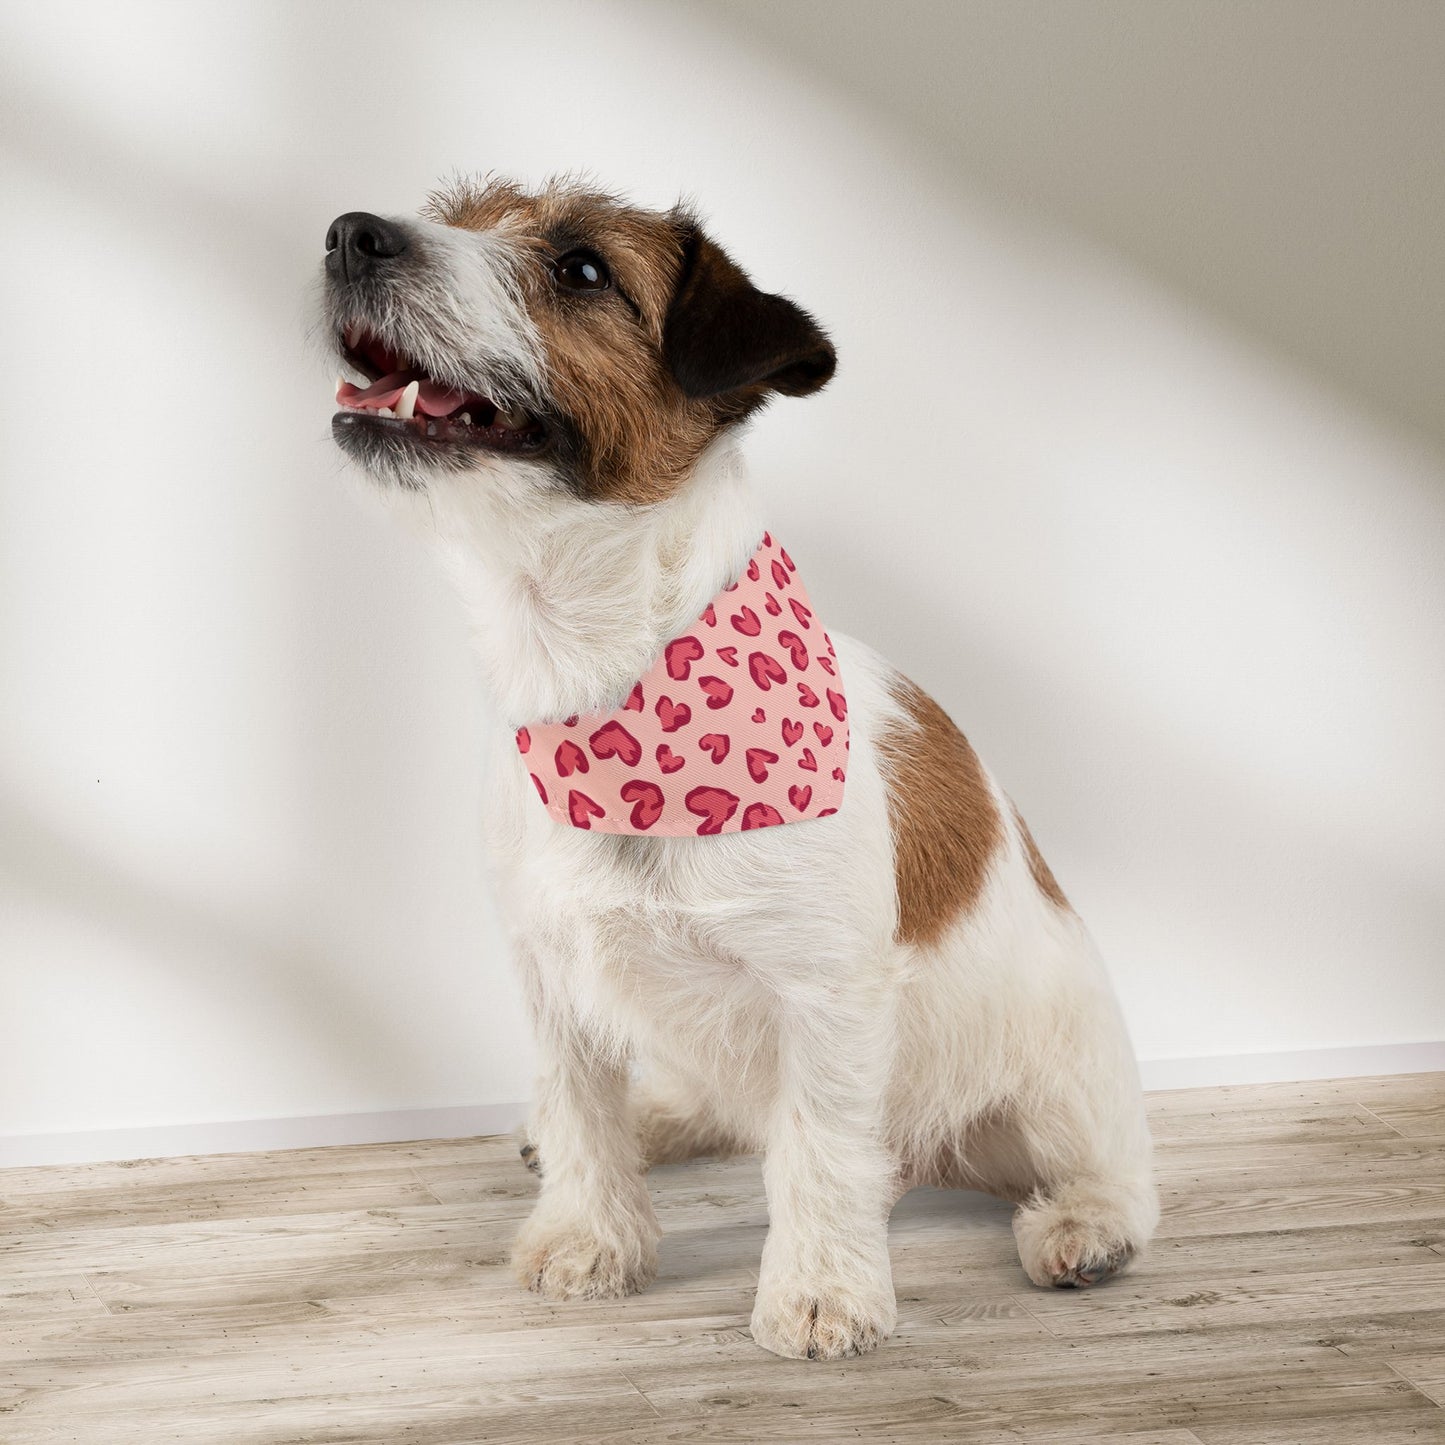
(741,723)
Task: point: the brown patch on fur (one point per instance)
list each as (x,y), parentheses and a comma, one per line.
(630,433)
(1043,878)
(946,827)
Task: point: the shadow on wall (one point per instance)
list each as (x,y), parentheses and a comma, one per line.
(205,619)
(225,968)
(49,132)
(1283,164)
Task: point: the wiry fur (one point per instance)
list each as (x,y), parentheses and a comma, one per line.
(760,978)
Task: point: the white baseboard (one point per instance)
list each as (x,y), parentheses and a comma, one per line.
(247,1136)
(244,1136)
(1356,1062)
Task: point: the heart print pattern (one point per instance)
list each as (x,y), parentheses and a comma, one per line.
(712,740)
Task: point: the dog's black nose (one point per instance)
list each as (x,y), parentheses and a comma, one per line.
(358,241)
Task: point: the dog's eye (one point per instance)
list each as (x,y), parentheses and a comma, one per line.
(581,271)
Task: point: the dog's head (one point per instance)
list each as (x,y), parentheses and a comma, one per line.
(565,335)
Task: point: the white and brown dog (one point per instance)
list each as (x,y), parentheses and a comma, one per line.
(894,991)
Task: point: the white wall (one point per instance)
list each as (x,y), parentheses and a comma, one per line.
(1186,598)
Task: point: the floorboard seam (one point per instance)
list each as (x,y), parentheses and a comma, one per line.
(641,1392)
(1398,1133)
(1418,1388)
(1039,1320)
(425,1187)
(90,1285)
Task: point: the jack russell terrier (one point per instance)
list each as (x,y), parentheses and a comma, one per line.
(743,857)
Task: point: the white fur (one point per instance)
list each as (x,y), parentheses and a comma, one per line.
(755,976)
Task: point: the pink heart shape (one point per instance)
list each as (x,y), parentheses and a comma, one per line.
(612,740)
(766,670)
(680,654)
(761,815)
(672,715)
(646,799)
(719,693)
(758,761)
(582,809)
(570,759)
(715,743)
(794,644)
(713,805)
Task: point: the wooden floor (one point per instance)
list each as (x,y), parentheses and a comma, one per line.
(1295,1296)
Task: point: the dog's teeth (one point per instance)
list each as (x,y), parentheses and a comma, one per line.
(386,411)
(466,418)
(406,407)
(340,382)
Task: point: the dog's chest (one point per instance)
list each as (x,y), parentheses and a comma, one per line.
(619,908)
(667,898)
(646,952)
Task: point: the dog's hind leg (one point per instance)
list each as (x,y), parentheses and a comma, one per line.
(674,1124)
(1094,1204)
(1069,1146)
(1081,1216)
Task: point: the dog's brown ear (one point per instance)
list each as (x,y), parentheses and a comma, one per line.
(724,335)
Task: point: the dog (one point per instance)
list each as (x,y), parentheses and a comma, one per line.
(889,990)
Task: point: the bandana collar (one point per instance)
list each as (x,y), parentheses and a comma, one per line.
(741,723)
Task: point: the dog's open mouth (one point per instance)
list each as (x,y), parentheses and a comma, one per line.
(403,400)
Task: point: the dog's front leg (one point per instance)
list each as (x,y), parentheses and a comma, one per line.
(825,1289)
(593,1232)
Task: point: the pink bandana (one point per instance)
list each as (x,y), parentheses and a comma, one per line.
(742,723)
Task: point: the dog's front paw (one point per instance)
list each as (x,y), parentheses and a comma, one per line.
(823,1322)
(571,1261)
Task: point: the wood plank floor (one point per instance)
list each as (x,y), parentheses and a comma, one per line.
(1295,1296)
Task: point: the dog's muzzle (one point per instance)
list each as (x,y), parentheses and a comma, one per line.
(358,244)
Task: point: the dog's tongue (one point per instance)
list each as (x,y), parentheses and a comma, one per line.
(431,400)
